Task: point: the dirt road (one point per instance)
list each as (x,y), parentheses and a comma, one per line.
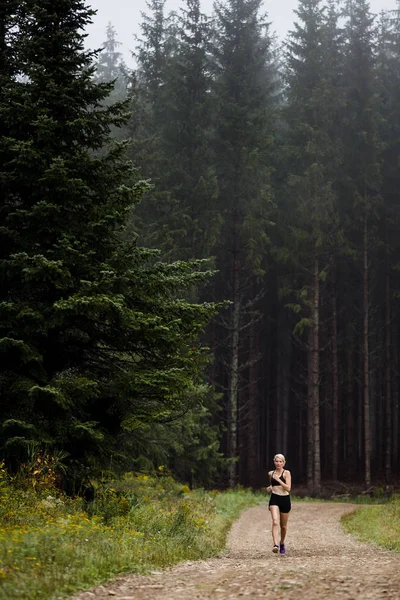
(322,562)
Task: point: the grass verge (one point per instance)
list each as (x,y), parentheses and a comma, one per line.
(52,546)
(356,499)
(377,524)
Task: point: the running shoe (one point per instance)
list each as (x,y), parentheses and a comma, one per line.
(275,549)
(282,549)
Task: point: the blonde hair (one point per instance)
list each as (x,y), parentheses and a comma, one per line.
(281,457)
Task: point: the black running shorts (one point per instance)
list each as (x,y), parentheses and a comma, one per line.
(283,502)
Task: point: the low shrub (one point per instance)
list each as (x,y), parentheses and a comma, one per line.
(52,546)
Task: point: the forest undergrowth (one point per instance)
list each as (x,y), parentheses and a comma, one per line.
(52,546)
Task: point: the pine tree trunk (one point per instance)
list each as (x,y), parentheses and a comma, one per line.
(283,385)
(366,398)
(360,410)
(310,416)
(286,390)
(268,403)
(388,384)
(335,383)
(376,403)
(284,343)
(300,453)
(234,373)
(252,421)
(278,417)
(315,377)
(395,407)
(326,421)
(351,430)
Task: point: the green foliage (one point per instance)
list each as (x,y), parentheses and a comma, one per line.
(314,103)
(110,65)
(243,91)
(95,332)
(308,227)
(171,133)
(190,445)
(301,326)
(110,68)
(363,163)
(52,545)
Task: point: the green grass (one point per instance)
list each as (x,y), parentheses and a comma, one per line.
(51,547)
(377,524)
(362,499)
(365,500)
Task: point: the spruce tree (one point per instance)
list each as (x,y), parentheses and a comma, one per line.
(152,51)
(389,94)
(111,66)
(314,104)
(243,135)
(93,337)
(180,216)
(186,137)
(148,100)
(362,170)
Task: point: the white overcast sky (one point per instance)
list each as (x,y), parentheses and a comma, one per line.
(125,16)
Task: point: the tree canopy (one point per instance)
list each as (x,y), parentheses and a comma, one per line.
(97,336)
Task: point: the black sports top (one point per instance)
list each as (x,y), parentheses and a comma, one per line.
(274,482)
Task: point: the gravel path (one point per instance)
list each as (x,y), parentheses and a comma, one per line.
(322,562)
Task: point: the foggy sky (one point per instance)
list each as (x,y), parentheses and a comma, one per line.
(125,16)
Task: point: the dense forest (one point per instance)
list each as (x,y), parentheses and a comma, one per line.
(200,257)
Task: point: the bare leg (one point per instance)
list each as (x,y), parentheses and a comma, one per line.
(283,519)
(274,510)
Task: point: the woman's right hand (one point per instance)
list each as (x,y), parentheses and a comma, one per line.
(269,489)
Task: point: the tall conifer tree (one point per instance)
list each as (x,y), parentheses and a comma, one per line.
(190,172)
(313,106)
(362,172)
(149,102)
(111,66)
(243,90)
(388,81)
(92,337)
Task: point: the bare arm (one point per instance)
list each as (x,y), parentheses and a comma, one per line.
(269,488)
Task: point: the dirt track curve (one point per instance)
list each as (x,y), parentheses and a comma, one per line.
(322,562)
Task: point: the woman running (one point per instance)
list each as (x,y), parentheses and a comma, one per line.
(279,503)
